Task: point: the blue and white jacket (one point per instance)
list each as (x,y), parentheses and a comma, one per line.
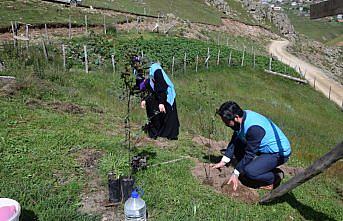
(261,136)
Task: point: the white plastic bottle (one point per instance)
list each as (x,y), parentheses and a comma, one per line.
(135,208)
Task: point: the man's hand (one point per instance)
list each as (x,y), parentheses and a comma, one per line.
(143,104)
(234,180)
(218,165)
(162,108)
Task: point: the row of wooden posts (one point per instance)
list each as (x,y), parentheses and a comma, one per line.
(173,59)
(26,38)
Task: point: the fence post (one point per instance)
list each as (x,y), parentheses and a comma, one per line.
(242,64)
(86,24)
(254,60)
(137,26)
(314,83)
(64,56)
(185,62)
(16,28)
(270,63)
(230,58)
(173,63)
(196,63)
(86,58)
(46,32)
(142,54)
(208,57)
(13,32)
(113,63)
(218,57)
(69,33)
(127,23)
(27,35)
(105,31)
(45,51)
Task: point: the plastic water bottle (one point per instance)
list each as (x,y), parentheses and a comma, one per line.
(135,208)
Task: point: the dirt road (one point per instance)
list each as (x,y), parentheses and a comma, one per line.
(315,76)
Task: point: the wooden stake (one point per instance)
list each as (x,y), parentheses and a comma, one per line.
(230,58)
(27,35)
(105,31)
(208,57)
(86,58)
(314,82)
(64,56)
(254,60)
(242,64)
(196,63)
(185,62)
(86,25)
(218,57)
(270,64)
(113,63)
(173,63)
(45,51)
(46,33)
(16,28)
(330,92)
(13,32)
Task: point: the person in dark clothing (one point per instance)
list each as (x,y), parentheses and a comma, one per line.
(160,104)
(258,145)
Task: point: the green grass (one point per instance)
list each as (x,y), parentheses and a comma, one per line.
(40,170)
(336,41)
(40,12)
(193,10)
(319,30)
(240,13)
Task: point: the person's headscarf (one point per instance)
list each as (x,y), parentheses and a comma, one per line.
(171,94)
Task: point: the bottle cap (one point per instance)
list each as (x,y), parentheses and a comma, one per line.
(134,194)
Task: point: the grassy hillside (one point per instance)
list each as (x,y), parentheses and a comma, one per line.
(319,30)
(40,142)
(193,10)
(40,12)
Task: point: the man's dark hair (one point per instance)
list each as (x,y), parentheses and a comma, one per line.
(229,110)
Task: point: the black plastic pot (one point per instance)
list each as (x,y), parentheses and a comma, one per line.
(114,188)
(126,187)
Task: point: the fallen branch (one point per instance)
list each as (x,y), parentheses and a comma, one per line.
(316,168)
(287,76)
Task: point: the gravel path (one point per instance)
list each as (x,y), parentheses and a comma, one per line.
(315,76)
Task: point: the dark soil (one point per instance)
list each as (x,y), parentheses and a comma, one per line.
(94,199)
(209,143)
(218,180)
(159,142)
(57,106)
(8,86)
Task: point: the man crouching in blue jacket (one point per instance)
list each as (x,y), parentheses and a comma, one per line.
(258,145)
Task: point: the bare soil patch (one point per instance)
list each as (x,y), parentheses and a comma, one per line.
(8,85)
(56,105)
(218,180)
(94,199)
(159,142)
(209,143)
